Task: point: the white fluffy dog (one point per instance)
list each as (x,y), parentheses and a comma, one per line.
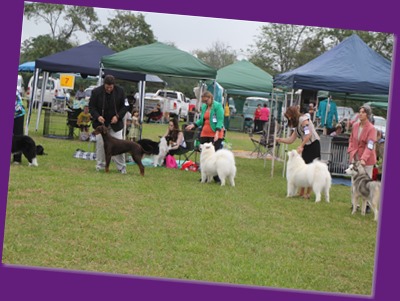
(315,175)
(162,153)
(213,163)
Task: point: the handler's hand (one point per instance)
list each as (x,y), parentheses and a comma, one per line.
(114,120)
(189,127)
(100,119)
(216,137)
(300,149)
(362,162)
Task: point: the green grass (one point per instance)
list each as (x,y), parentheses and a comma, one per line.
(64,214)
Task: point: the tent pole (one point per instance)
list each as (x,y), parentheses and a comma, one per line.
(30,100)
(142,87)
(43,92)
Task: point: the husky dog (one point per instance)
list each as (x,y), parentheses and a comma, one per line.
(300,174)
(213,163)
(366,188)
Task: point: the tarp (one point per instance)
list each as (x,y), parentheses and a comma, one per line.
(27,67)
(350,67)
(160,59)
(245,78)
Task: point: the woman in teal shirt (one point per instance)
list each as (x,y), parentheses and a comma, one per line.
(18,130)
(211,120)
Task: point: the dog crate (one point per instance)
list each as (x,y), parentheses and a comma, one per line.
(334,153)
(55,124)
(236,123)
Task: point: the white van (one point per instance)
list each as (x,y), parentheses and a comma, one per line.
(53,89)
(250,105)
(21,86)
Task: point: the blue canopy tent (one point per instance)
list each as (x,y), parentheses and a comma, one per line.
(27,67)
(350,67)
(84,59)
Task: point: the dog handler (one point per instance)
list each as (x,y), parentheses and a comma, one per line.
(18,130)
(362,140)
(303,128)
(212,122)
(108,105)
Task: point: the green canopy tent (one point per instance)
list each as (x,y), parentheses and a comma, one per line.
(243,78)
(158,59)
(380,105)
(246,79)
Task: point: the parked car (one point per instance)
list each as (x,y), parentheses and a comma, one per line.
(21,86)
(173,102)
(250,105)
(53,90)
(380,124)
(344,113)
(88,92)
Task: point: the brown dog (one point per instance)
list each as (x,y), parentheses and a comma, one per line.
(114,146)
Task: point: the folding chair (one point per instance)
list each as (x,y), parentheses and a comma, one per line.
(264,145)
(191,146)
(72,119)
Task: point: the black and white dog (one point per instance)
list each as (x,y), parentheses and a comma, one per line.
(158,150)
(366,188)
(25,145)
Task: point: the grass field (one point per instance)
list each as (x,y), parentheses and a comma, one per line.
(66,215)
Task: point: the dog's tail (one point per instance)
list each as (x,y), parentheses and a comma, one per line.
(147,147)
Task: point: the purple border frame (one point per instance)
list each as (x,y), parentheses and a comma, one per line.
(24,283)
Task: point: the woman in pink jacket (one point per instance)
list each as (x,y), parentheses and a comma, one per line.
(362,140)
(264,116)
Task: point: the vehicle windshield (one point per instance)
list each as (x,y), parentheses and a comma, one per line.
(380,122)
(88,93)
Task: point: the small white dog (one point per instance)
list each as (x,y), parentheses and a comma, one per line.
(315,175)
(213,163)
(163,151)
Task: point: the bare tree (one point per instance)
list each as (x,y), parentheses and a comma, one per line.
(218,55)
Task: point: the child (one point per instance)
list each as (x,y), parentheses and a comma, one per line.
(84,123)
(135,127)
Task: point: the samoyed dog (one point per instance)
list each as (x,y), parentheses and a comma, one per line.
(213,163)
(315,175)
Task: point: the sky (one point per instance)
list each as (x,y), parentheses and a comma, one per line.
(188,33)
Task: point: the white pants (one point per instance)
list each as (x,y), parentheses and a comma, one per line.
(100,155)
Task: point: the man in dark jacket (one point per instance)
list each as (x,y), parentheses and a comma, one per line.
(108,106)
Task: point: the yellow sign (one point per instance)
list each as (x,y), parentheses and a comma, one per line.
(67,81)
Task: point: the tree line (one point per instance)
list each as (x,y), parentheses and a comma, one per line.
(277,48)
